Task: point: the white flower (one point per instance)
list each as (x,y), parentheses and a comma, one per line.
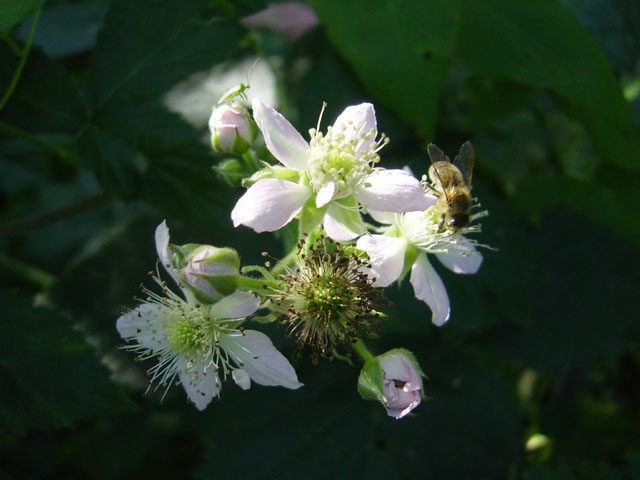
(332,175)
(405,245)
(197,343)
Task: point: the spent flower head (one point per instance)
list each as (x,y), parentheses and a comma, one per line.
(328,300)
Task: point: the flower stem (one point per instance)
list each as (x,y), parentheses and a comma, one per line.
(362,350)
(258,285)
(251,160)
(23,59)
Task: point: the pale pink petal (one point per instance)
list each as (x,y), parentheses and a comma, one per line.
(403,404)
(397,367)
(237,305)
(383,217)
(342,223)
(356,122)
(143,324)
(241,378)
(428,287)
(292,19)
(325,194)
(386,256)
(282,139)
(269,204)
(392,191)
(253,352)
(200,383)
(462,257)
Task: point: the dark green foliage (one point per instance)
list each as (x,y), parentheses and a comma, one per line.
(50,377)
(543,339)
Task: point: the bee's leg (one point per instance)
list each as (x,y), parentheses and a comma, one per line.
(441,224)
(433,189)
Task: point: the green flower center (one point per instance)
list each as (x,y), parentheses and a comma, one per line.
(328,300)
(334,157)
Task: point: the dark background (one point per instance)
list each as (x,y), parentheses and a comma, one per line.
(542,340)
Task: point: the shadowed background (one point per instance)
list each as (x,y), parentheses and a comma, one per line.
(104,135)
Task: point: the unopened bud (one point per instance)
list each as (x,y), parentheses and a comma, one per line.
(394,379)
(210,272)
(230,171)
(232,129)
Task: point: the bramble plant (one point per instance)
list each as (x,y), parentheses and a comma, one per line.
(327,291)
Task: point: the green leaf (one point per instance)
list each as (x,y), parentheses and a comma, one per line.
(14,11)
(38,106)
(400,51)
(149,152)
(542,45)
(136,62)
(50,377)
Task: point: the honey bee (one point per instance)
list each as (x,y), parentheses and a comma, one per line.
(451,183)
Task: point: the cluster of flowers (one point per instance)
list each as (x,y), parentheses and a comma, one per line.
(326,291)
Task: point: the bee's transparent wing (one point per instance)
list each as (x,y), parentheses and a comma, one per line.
(464,161)
(435,154)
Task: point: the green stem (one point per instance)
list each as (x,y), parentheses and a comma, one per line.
(251,160)
(258,285)
(28,272)
(23,59)
(39,220)
(362,350)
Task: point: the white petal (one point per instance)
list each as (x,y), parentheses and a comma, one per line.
(241,378)
(162,248)
(357,121)
(392,191)
(325,194)
(282,139)
(342,223)
(256,355)
(383,217)
(269,204)
(429,288)
(140,324)
(386,256)
(462,257)
(237,305)
(200,383)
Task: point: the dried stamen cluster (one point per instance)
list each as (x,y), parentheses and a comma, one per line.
(328,299)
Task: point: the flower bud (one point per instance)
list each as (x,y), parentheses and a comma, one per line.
(394,379)
(210,272)
(230,171)
(232,129)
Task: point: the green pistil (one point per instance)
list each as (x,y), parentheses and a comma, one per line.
(193,334)
(327,298)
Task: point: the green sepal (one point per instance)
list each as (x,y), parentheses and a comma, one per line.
(371,380)
(310,216)
(281,173)
(411,254)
